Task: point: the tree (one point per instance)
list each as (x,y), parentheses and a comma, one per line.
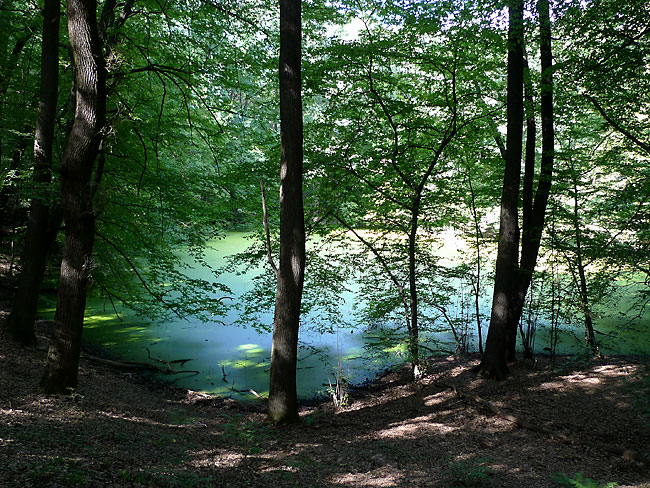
(21,319)
(494,359)
(18,24)
(76,196)
(290,273)
(513,275)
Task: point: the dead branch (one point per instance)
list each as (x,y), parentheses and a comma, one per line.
(251,391)
(141,365)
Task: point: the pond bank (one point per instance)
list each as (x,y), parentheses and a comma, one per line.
(117,430)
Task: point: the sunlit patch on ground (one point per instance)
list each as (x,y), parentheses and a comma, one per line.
(222,458)
(378,478)
(416,427)
(435,399)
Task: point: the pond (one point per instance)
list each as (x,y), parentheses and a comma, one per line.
(231,358)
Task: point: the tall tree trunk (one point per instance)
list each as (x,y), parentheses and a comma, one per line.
(499,332)
(532,235)
(23,313)
(527,202)
(283,405)
(512,278)
(76,169)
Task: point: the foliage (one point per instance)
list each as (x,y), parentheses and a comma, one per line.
(580,481)
(193,127)
(468,472)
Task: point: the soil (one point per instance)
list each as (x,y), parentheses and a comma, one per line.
(592,417)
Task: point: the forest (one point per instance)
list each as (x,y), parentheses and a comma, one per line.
(325,243)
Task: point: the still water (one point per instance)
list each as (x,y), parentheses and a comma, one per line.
(231,358)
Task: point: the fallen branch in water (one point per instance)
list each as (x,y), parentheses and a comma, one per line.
(250,390)
(141,365)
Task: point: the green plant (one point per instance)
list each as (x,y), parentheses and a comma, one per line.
(467,473)
(579,481)
(339,390)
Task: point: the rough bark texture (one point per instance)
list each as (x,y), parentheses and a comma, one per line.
(499,332)
(23,313)
(76,168)
(282,390)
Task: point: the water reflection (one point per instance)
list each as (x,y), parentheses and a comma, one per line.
(233,359)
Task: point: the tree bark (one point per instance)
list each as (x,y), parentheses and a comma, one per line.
(414,332)
(527,201)
(499,333)
(283,405)
(513,277)
(532,235)
(76,169)
(23,313)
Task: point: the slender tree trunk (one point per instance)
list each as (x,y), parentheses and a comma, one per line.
(499,333)
(513,278)
(527,201)
(414,333)
(23,313)
(76,169)
(283,405)
(476,286)
(590,338)
(581,280)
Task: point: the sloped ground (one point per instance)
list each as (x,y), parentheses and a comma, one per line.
(117,430)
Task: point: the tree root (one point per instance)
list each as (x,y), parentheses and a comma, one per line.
(627,454)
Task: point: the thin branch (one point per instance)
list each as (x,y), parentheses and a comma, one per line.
(384,264)
(157,296)
(617,126)
(266,229)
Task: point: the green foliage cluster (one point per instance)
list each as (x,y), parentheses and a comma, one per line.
(580,481)
(466,473)
(404,114)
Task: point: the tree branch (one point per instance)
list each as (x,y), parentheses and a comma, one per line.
(266,229)
(617,126)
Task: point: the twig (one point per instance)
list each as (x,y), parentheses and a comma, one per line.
(266,229)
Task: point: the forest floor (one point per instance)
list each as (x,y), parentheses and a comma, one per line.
(449,429)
